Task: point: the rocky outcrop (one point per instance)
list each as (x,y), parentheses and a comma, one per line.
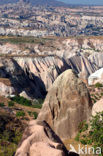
(34,76)
(97,107)
(96,77)
(81,65)
(97,59)
(45,68)
(66,105)
(20,80)
(6,90)
(39,139)
(67,48)
(24,94)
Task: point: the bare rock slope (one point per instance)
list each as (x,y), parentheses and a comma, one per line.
(46,68)
(32,75)
(66,105)
(40,140)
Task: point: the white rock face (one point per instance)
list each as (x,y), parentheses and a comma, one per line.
(24,94)
(96,77)
(6,90)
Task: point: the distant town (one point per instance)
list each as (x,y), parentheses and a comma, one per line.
(23,19)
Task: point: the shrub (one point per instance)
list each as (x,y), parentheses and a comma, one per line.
(94,101)
(35,115)
(10,103)
(39,106)
(98,85)
(83,141)
(20,114)
(21,100)
(2,105)
(11,130)
(83,126)
(30,113)
(38,103)
(77,137)
(94,134)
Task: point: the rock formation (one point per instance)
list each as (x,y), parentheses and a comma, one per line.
(46,68)
(32,75)
(97,59)
(97,107)
(40,140)
(23,94)
(6,90)
(20,80)
(66,105)
(81,65)
(96,77)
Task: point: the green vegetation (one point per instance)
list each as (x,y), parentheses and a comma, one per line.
(93,100)
(11,130)
(2,105)
(10,104)
(83,126)
(38,103)
(30,113)
(98,85)
(92,133)
(22,40)
(96,96)
(23,101)
(35,115)
(20,114)
(77,137)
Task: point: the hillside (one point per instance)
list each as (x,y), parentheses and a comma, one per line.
(47,3)
(7,1)
(36,2)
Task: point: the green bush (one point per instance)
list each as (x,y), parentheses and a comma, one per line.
(2,105)
(21,100)
(30,113)
(83,141)
(77,137)
(38,103)
(20,114)
(83,126)
(94,101)
(98,85)
(35,115)
(11,130)
(39,106)
(10,103)
(94,133)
